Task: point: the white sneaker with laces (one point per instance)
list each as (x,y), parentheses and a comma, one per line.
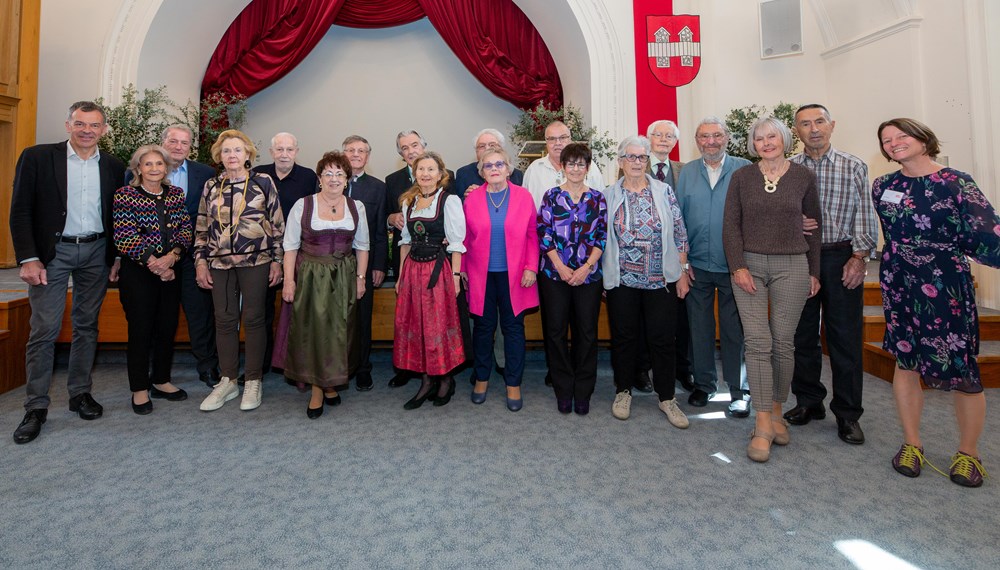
(224,391)
(622,406)
(252,392)
(674,414)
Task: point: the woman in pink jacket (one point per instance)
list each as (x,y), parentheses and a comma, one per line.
(501,261)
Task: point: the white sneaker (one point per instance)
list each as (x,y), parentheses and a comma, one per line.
(674,414)
(251,395)
(740,408)
(224,391)
(622,406)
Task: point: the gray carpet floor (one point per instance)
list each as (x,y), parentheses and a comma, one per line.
(370,485)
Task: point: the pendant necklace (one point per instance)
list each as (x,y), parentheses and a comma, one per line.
(333,208)
(497,206)
(770,186)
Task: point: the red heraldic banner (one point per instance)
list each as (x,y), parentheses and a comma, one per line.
(667,55)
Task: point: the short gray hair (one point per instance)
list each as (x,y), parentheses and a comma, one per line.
(423,141)
(295,141)
(488,131)
(772,123)
(177,127)
(86,107)
(652,127)
(356,138)
(133,163)
(713,120)
(634,140)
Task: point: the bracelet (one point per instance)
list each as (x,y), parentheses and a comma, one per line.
(457,274)
(741,269)
(361,275)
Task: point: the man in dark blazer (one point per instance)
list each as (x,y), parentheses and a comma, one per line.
(409,145)
(191,176)
(60,222)
(371,192)
(468,178)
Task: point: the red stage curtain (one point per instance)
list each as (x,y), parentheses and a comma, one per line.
(493,39)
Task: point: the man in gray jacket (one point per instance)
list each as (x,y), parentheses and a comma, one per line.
(701,192)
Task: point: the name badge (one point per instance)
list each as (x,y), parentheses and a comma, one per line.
(892,196)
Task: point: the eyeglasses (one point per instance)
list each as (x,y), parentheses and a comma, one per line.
(711,136)
(563,138)
(576,165)
(635,157)
(332,174)
(667,136)
(484,146)
(494,165)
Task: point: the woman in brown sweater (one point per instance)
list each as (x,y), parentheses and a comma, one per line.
(774,264)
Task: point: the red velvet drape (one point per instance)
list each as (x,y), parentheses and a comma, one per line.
(493,39)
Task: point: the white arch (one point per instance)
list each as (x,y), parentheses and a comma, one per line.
(606,47)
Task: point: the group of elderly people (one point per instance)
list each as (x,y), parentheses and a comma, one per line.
(716,228)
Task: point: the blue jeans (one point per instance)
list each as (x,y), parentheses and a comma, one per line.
(497,306)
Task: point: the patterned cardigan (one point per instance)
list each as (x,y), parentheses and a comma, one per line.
(140,232)
(239,225)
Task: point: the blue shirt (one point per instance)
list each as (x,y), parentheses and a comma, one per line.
(498,242)
(179,177)
(83,194)
(703,207)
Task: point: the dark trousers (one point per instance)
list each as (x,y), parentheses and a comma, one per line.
(842,312)
(197,303)
(363,328)
(230,289)
(573,368)
(497,306)
(659,309)
(682,345)
(151,307)
(270,298)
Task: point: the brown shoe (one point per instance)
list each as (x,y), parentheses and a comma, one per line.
(760,455)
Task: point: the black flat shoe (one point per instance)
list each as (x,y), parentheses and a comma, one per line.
(177,396)
(313,413)
(801,415)
(142,409)
(85,405)
(331,401)
(30,426)
(686,382)
(643,382)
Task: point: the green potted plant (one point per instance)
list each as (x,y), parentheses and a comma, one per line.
(739,121)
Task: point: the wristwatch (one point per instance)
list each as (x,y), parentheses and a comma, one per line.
(685,267)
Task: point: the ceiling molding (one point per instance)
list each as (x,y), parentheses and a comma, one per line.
(884,32)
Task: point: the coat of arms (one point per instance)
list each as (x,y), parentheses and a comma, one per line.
(674,48)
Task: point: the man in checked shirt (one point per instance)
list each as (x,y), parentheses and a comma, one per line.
(850,234)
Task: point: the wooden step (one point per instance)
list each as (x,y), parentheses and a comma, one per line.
(881,364)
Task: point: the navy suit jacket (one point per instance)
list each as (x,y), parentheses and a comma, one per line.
(468,175)
(371,192)
(38,204)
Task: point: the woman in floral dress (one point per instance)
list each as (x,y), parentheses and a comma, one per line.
(932,218)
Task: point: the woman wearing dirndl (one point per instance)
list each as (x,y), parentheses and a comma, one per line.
(428,333)
(326,255)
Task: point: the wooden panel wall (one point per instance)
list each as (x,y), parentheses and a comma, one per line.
(19,33)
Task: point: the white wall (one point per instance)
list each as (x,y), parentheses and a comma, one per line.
(377,83)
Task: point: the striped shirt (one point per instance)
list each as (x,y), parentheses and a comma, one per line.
(843,195)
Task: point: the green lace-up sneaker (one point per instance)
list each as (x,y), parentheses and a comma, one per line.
(966,470)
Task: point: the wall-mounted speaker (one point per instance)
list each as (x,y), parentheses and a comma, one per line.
(780,28)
